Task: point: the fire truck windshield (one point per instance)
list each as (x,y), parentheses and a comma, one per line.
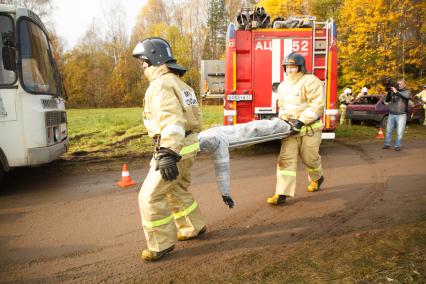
(38,70)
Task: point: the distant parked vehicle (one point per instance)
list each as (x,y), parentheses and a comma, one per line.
(373,110)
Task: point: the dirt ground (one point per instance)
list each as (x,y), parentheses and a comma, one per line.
(367,224)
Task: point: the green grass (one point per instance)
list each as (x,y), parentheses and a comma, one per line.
(359,133)
(117,132)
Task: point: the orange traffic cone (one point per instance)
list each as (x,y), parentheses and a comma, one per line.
(380,134)
(126,180)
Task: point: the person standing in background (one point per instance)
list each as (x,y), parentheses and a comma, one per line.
(397,99)
(344,99)
(364,92)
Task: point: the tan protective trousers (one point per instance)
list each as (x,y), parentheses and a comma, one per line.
(308,148)
(168,206)
(342,114)
(424,106)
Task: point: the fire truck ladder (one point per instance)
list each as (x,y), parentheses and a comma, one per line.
(318,47)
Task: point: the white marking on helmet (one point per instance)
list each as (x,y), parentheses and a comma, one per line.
(138,49)
(169,52)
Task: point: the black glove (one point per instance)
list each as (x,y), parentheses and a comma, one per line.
(228,201)
(297,126)
(167,163)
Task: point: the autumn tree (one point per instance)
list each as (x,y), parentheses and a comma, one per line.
(285,8)
(325,9)
(234,6)
(380,39)
(193,23)
(116,34)
(216,24)
(153,12)
(43,8)
(87,71)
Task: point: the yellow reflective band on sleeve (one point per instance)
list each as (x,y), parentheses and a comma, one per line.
(286,173)
(190,148)
(315,125)
(159,222)
(314,170)
(185,212)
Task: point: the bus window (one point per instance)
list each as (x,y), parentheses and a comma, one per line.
(36,62)
(7,77)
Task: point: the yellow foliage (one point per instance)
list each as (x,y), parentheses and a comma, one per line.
(378,39)
(284,8)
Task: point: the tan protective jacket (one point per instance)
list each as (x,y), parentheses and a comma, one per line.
(301,97)
(345,99)
(360,95)
(422,96)
(171,110)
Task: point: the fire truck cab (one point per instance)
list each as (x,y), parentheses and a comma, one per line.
(253,65)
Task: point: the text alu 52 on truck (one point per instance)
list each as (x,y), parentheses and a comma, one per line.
(33,122)
(253,64)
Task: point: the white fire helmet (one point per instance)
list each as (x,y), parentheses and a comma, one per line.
(364,90)
(347,91)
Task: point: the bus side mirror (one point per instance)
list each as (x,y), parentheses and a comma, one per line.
(275,87)
(9,58)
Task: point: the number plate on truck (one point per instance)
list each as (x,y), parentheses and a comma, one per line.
(239,97)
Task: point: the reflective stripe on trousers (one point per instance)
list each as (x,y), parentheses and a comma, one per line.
(286,179)
(317,169)
(161,202)
(166,220)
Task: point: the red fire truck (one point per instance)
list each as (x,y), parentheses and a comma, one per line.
(253,64)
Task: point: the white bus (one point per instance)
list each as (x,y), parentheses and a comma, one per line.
(33,121)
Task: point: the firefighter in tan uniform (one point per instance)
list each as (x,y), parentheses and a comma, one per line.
(344,99)
(173,119)
(301,103)
(422,96)
(364,92)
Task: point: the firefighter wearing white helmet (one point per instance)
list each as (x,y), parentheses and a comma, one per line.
(344,99)
(301,103)
(172,118)
(364,92)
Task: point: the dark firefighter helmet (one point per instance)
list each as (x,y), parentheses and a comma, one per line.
(157,51)
(295,58)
